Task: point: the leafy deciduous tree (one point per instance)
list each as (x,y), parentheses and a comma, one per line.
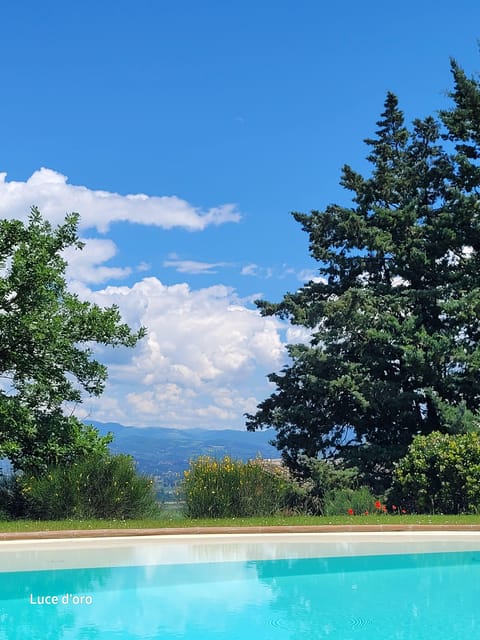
(46,342)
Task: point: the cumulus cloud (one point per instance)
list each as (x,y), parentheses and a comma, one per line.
(202,363)
(54,196)
(296,334)
(205,358)
(87,265)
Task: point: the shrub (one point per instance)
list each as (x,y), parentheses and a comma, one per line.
(324,486)
(339,501)
(12,501)
(99,486)
(440,473)
(228,488)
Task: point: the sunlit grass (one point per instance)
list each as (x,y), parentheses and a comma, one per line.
(177,521)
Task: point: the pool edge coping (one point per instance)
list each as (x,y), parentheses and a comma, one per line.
(168,531)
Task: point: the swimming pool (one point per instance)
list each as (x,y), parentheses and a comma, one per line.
(234,587)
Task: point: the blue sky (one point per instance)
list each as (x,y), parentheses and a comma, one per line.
(185,133)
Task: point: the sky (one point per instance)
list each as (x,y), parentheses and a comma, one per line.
(184,134)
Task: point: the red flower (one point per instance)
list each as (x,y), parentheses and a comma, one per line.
(366,513)
(378,504)
(404,511)
(350,512)
(394,507)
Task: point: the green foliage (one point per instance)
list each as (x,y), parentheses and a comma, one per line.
(46,439)
(12,501)
(46,345)
(340,501)
(228,488)
(225,488)
(319,480)
(98,486)
(440,473)
(328,489)
(394,315)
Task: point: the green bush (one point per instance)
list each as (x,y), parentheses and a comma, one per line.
(12,501)
(340,501)
(440,473)
(99,486)
(325,484)
(228,488)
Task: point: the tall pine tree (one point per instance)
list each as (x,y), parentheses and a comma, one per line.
(395,314)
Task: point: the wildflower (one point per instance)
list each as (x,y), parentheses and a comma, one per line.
(394,508)
(366,513)
(378,504)
(350,512)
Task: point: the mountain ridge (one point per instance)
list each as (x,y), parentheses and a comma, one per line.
(165,451)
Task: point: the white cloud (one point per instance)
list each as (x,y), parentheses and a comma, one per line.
(194,267)
(302,275)
(87,265)
(250,270)
(398,281)
(256,270)
(204,359)
(50,191)
(310,275)
(296,334)
(453,258)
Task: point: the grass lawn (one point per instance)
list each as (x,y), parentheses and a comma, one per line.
(177,520)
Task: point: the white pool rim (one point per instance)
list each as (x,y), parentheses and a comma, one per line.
(79,553)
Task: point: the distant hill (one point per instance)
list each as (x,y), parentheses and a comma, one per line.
(163,452)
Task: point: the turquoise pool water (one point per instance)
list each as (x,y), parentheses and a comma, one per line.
(406,596)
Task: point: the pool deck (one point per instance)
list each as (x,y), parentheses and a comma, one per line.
(117,533)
